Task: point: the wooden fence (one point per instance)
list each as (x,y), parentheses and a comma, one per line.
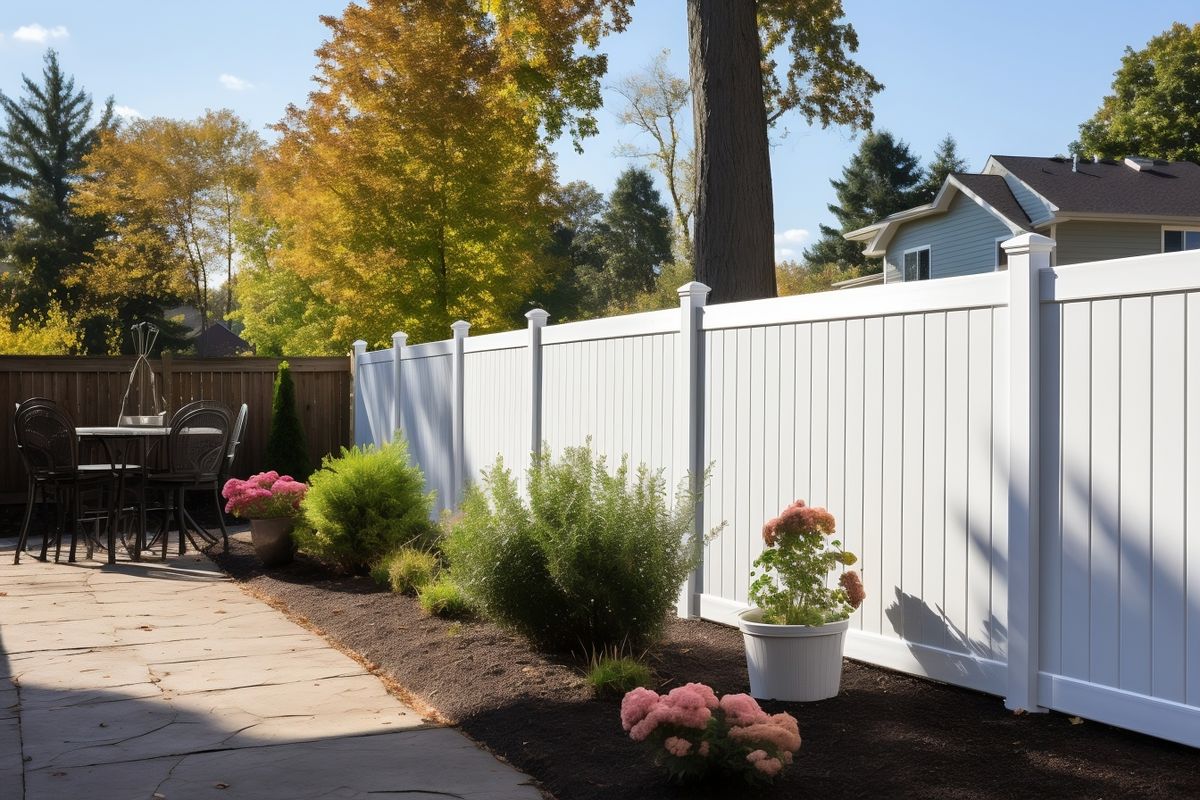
(91,388)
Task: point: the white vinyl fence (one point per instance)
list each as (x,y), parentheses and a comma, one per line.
(1009,454)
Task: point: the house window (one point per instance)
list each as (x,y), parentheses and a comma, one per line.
(916,264)
(1176,240)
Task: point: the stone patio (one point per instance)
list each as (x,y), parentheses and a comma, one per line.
(165,681)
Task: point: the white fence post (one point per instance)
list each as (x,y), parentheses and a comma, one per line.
(1028,254)
(537,320)
(398,340)
(457,399)
(359,409)
(689,378)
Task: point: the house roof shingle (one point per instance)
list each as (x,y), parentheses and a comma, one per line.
(993,190)
(1166,189)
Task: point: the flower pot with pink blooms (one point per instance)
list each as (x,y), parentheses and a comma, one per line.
(796,633)
(271,502)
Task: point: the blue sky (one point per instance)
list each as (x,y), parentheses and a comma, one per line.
(1014,78)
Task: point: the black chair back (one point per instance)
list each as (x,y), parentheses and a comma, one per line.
(192,406)
(198,443)
(46,439)
(235,439)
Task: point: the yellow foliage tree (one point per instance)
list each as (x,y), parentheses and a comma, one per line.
(48,334)
(411,190)
(174,191)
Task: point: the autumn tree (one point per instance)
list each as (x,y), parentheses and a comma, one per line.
(47,133)
(1154,108)
(172,189)
(413,188)
(655,105)
(883,177)
(946,161)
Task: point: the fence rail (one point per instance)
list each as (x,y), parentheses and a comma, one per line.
(91,388)
(1010,454)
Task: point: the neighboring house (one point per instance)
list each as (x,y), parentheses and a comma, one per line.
(1094,210)
(218,341)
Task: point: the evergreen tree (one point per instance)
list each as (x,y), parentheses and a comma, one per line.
(946,160)
(634,238)
(287,452)
(46,135)
(575,249)
(883,177)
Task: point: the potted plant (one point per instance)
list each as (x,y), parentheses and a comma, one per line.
(271,502)
(796,632)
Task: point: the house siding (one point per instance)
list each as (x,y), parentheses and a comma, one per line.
(1080,242)
(1033,205)
(962,241)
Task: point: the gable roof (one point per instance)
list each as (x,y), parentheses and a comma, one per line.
(218,341)
(990,192)
(1133,187)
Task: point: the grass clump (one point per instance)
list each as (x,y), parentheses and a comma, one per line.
(613,675)
(592,560)
(406,570)
(444,598)
(364,504)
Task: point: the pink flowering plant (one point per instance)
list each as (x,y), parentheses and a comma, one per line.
(791,583)
(266,495)
(694,734)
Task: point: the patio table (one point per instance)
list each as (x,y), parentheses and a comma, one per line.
(118,440)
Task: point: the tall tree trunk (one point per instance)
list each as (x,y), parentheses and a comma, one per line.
(735,213)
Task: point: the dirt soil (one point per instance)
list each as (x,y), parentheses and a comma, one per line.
(887,735)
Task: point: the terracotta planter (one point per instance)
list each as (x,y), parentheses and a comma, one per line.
(272,540)
(792,662)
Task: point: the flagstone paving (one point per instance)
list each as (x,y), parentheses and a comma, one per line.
(164,681)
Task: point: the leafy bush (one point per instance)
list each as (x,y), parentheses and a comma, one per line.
(593,560)
(613,675)
(406,570)
(444,598)
(364,504)
(287,452)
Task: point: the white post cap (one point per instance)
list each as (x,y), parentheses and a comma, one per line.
(399,338)
(695,290)
(1028,243)
(460,328)
(537,316)
(360,346)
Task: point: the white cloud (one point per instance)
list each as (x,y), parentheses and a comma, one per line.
(234,83)
(127,113)
(39,34)
(789,243)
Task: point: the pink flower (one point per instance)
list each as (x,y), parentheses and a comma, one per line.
(636,705)
(677,747)
(742,709)
(853,585)
(703,749)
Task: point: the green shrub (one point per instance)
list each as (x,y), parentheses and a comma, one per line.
(614,675)
(444,598)
(287,452)
(593,560)
(364,504)
(408,569)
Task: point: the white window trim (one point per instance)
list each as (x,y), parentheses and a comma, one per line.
(1162,238)
(996,252)
(904,257)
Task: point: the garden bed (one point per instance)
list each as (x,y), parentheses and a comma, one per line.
(886,735)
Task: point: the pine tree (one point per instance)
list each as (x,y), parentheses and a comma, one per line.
(946,160)
(287,452)
(47,134)
(634,239)
(883,177)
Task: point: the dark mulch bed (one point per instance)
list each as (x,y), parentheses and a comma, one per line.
(886,735)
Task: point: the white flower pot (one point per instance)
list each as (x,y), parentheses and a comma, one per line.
(792,662)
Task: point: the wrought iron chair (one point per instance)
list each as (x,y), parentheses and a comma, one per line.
(49,449)
(197,447)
